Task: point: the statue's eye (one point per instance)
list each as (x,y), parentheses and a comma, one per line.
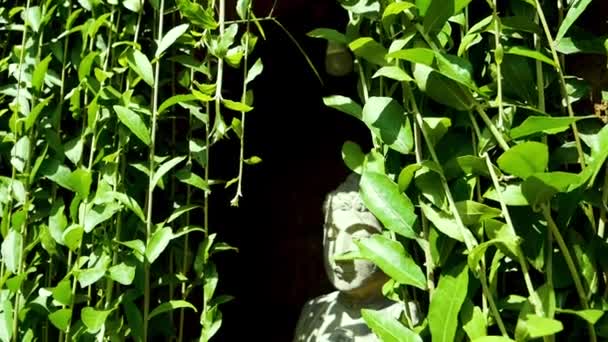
(359,206)
(343,205)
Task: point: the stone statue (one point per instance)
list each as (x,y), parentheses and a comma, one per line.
(337,316)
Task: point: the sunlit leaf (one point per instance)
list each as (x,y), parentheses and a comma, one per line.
(169,306)
(388,328)
(170,37)
(446,302)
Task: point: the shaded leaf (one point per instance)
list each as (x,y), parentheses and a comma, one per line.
(164,168)
(12,249)
(40,73)
(61,319)
(72,236)
(255,70)
(511,194)
(170,37)
(589,315)
(441,89)
(353,156)
(170,305)
(386,118)
(134,123)
(525,52)
(328,34)
(576,9)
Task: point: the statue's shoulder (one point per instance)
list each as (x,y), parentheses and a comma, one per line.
(312,316)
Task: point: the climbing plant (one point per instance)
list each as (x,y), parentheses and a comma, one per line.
(109,115)
(487,167)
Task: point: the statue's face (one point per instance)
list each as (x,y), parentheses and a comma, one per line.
(348,219)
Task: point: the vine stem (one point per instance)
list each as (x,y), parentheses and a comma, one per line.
(569,262)
(151,185)
(534,298)
(498,60)
(562,82)
(239,192)
(463,230)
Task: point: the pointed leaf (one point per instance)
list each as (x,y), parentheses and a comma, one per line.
(388,328)
(40,73)
(394,73)
(344,104)
(170,305)
(255,70)
(170,37)
(158,242)
(386,118)
(576,9)
(12,249)
(392,258)
(446,302)
(134,123)
(175,99)
(72,236)
(94,319)
(542,326)
(369,49)
(589,315)
(188,177)
(415,55)
(61,319)
(353,156)
(525,52)
(236,106)
(393,208)
(141,65)
(122,273)
(547,125)
(328,34)
(164,168)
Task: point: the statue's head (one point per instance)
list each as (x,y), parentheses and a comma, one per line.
(347,218)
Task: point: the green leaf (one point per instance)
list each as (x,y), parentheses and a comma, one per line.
(158,242)
(170,305)
(394,73)
(353,156)
(182,210)
(415,55)
(61,319)
(40,73)
(392,258)
(255,70)
(438,13)
(493,339)
(383,198)
(141,65)
(576,9)
(542,326)
(84,69)
(472,212)
(441,89)
(369,49)
(396,8)
(72,236)
(511,194)
(62,293)
(12,250)
(197,14)
(446,301)
(99,214)
(589,315)
(406,175)
(236,106)
(525,52)
(164,168)
(32,117)
(6,321)
(130,203)
(134,123)
(173,100)
(94,319)
(328,34)
(344,104)
(20,153)
(443,221)
(474,322)
(122,273)
(525,159)
(90,276)
(57,221)
(544,124)
(583,44)
(541,187)
(388,328)
(170,37)
(133,5)
(80,180)
(386,119)
(456,68)
(242,8)
(32,16)
(73,150)
(188,177)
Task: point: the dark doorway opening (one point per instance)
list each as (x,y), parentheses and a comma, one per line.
(278,225)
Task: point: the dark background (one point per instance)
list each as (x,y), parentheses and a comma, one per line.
(278,225)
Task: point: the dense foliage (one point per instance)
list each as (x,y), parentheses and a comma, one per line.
(109,115)
(487,168)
